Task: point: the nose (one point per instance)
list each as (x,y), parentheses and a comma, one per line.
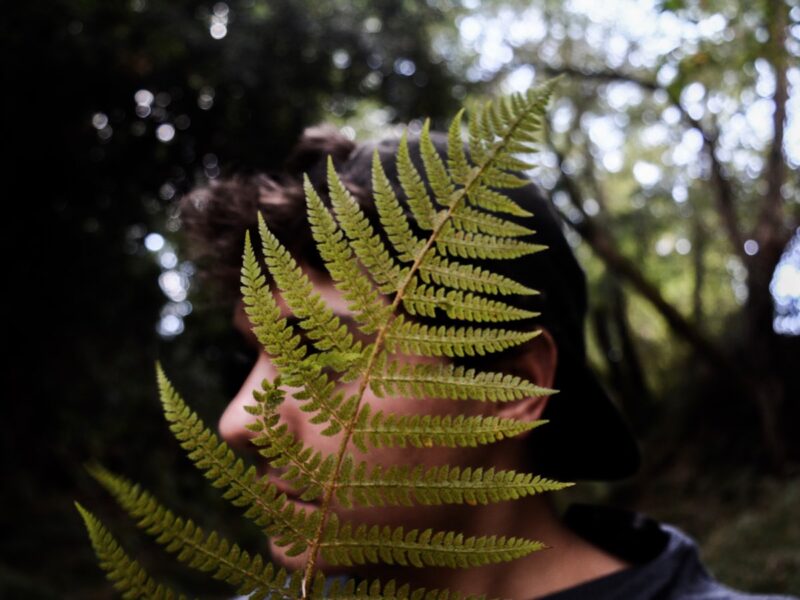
(232,424)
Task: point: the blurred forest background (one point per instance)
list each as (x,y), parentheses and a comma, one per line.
(673,155)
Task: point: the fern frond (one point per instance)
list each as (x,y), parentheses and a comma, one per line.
(307,470)
(483,197)
(271,329)
(452,382)
(368,246)
(401,485)
(496,177)
(456,158)
(199,550)
(413,186)
(364,301)
(477,147)
(456,304)
(374,544)
(264,504)
(426,431)
(478,245)
(468,277)
(477,221)
(387,275)
(125,573)
(322,326)
(393,219)
(437,174)
(288,355)
(415,338)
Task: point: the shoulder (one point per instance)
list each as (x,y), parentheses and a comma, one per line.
(693,581)
(665,561)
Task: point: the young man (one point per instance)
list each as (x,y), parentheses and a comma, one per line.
(593,552)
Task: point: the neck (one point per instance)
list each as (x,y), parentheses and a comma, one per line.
(569,560)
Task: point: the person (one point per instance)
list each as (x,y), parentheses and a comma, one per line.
(592,552)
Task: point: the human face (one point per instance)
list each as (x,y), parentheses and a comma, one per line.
(232,428)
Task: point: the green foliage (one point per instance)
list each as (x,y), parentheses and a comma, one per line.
(377,281)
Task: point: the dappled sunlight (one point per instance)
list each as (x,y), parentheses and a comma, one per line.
(785,288)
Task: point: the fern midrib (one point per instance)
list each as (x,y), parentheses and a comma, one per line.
(427,546)
(413,486)
(475,176)
(423,379)
(426,430)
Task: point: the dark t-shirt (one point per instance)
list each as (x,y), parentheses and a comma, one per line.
(666,562)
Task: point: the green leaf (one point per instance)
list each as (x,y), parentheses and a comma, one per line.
(401,485)
(199,550)
(428,340)
(426,431)
(453,383)
(125,573)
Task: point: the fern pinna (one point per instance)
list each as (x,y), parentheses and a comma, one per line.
(389,279)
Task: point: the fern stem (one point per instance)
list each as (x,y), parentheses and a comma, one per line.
(474,177)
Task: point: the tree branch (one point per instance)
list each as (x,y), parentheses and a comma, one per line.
(602,243)
(721,185)
(769,230)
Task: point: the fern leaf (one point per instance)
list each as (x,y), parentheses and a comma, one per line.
(456,159)
(368,246)
(393,219)
(487,199)
(271,329)
(413,186)
(458,217)
(327,330)
(477,221)
(425,299)
(478,245)
(496,177)
(512,163)
(125,573)
(477,135)
(453,382)
(415,338)
(468,277)
(374,544)
(437,174)
(307,469)
(364,301)
(401,485)
(265,505)
(426,431)
(199,550)
(288,355)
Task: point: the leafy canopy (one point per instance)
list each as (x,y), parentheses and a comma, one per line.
(424,276)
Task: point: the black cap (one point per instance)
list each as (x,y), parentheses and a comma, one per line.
(587,437)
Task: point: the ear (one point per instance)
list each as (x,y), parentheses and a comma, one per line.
(536,363)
